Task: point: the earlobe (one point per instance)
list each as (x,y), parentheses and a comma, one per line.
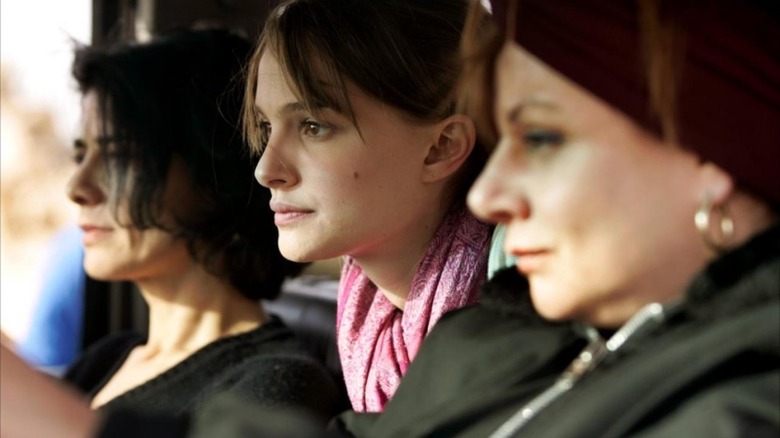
(716,185)
(456,136)
(713,219)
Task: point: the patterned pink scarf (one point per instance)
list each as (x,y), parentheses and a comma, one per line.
(376,340)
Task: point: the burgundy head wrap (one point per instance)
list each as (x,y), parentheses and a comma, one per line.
(728,100)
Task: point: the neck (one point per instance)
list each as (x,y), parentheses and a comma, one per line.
(192,309)
(393,268)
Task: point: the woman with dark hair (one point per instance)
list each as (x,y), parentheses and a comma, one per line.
(167,201)
(351,106)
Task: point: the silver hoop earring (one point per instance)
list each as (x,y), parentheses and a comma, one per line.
(717,241)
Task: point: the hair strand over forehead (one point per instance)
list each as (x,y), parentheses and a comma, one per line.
(403,53)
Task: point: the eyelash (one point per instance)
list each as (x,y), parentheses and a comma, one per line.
(265,132)
(538,138)
(109,152)
(309,124)
(305,126)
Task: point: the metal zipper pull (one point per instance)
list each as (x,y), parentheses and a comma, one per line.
(590,357)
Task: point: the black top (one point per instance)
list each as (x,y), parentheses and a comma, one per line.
(265,366)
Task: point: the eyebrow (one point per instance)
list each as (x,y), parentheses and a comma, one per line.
(293,107)
(515,111)
(80,143)
(290,108)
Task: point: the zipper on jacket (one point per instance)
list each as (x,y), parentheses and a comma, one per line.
(590,357)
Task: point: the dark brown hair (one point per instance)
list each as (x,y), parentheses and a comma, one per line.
(482,41)
(404,53)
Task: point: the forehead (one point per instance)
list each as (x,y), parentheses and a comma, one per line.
(523,82)
(91,117)
(277,93)
(89,105)
(271,84)
(521,79)
(275,97)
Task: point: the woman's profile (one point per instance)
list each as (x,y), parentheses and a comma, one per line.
(166,200)
(352,111)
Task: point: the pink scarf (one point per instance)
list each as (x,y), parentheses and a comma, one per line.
(376,340)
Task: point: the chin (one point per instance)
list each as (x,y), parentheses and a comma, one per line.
(298,257)
(308,250)
(296,253)
(106,269)
(100,274)
(95,270)
(549,304)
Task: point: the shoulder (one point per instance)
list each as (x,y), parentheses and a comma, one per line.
(286,380)
(283,370)
(113,345)
(271,368)
(283,365)
(746,406)
(493,340)
(101,359)
(505,309)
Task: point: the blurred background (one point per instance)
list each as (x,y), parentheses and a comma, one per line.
(39,110)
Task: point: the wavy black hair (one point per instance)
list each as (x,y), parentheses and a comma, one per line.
(180,96)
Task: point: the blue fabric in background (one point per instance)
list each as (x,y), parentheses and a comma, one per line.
(53,340)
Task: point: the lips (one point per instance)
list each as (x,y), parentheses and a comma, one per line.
(287,214)
(529,261)
(94,233)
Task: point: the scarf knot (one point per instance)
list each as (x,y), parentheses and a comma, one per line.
(376,340)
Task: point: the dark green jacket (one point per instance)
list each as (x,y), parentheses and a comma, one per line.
(710,368)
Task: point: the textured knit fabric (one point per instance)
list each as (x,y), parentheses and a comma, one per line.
(265,366)
(376,340)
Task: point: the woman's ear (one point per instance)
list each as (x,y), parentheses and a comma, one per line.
(717,186)
(455,139)
(728,216)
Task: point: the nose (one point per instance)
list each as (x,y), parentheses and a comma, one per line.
(84,187)
(498,195)
(274,170)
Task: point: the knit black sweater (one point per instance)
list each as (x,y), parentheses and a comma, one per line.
(264,366)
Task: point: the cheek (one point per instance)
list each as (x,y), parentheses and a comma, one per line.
(578,206)
(119,212)
(146,245)
(339,183)
(572,196)
(352,177)
(160,241)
